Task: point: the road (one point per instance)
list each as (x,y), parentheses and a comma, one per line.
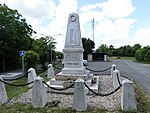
(140,73)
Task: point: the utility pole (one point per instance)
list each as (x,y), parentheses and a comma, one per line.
(93,29)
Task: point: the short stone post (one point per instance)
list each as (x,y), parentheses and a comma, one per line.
(79,100)
(3,94)
(39,94)
(128,100)
(116,79)
(113,68)
(31,76)
(105,58)
(50,72)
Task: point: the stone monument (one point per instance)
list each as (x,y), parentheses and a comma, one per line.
(73,56)
(73,52)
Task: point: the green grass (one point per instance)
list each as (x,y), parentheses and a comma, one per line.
(13,91)
(122,58)
(143,100)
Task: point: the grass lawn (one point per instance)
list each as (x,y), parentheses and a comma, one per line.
(122,58)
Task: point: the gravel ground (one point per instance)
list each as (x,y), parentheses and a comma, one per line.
(111,102)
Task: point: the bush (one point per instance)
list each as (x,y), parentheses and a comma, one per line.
(147,57)
(31,59)
(140,54)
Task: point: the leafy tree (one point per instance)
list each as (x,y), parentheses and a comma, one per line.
(147,57)
(134,48)
(31,59)
(102,48)
(14,36)
(44,46)
(88,46)
(140,54)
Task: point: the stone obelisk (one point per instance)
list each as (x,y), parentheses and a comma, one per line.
(73,51)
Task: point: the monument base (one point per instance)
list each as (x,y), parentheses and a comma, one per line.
(73,76)
(60,83)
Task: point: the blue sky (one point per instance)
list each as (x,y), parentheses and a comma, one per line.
(117,22)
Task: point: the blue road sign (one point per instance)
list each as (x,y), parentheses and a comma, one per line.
(22,53)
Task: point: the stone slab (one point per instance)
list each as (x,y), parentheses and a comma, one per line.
(59,84)
(62,76)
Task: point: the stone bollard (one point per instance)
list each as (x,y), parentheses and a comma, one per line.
(3,94)
(128,100)
(79,100)
(39,94)
(50,73)
(31,76)
(116,77)
(113,68)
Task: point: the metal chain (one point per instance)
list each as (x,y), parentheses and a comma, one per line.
(100,70)
(99,94)
(16,84)
(59,88)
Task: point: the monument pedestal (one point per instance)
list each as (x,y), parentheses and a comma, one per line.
(62,83)
(73,59)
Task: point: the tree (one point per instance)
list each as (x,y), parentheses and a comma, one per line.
(88,46)
(31,59)
(102,48)
(15,35)
(44,46)
(135,47)
(147,57)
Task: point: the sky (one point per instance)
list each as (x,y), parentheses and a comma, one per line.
(116,22)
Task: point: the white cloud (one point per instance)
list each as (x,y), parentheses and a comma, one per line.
(142,36)
(118,8)
(112,24)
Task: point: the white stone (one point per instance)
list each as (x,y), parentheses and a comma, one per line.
(39,94)
(113,68)
(90,58)
(31,76)
(128,100)
(3,94)
(73,51)
(73,58)
(50,73)
(80,99)
(116,77)
(105,58)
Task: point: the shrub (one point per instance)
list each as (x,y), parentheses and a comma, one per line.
(140,54)
(31,59)
(147,56)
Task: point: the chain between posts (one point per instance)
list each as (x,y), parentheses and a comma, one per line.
(60,89)
(100,70)
(16,84)
(99,94)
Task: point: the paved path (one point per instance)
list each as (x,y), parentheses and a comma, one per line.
(140,73)
(11,75)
